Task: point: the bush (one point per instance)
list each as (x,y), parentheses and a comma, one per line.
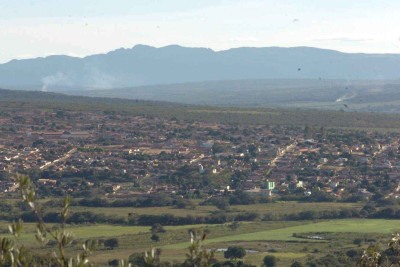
(222,204)
(157,228)
(113,263)
(352,253)
(111,243)
(155,237)
(357,241)
(296,264)
(235,253)
(269,261)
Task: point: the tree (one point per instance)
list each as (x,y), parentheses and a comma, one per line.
(234,225)
(269,261)
(113,263)
(218,148)
(111,243)
(235,253)
(137,259)
(155,237)
(296,264)
(308,132)
(222,204)
(323,133)
(157,228)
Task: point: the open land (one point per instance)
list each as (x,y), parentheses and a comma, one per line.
(296,184)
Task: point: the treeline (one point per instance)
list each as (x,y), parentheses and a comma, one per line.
(157,200)
(135,219)
(222,215)
(169,219)
(217,217)
(315,215)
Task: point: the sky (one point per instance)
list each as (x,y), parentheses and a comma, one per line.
(36,28)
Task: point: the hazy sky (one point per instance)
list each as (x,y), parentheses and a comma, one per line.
(32,28)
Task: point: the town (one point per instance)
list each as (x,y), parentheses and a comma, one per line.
(115,155)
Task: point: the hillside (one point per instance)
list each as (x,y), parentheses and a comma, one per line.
(12,101)
(145,65)
(349,95)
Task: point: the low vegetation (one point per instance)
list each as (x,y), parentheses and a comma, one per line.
(59,242)
(122,190)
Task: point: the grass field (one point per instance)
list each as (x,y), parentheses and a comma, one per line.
(279,208)
(253,231)
(286,234)
(260,236)
(123,212)
(97,230)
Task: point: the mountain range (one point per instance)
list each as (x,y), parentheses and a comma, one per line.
(145,65)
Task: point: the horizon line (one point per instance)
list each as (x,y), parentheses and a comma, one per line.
(189,47)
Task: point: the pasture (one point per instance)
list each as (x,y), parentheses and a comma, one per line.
(258,236)
(276,208)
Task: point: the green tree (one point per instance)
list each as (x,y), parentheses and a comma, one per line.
(111,243)
(155,237)
(308,132)
(218,148)
(234,225)
(222,204)
(296,264)
(234,253)
(269,261)
(157,228)
(137,259)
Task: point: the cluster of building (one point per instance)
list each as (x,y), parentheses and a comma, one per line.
(124,155)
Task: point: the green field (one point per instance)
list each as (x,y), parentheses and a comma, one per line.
(96,230)
(278,208)
(260,236)
(286,234)
(283,233)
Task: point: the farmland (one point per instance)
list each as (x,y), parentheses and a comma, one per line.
(275,238)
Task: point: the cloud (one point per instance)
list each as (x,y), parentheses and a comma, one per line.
(24,56)
(344,39)
(244,39)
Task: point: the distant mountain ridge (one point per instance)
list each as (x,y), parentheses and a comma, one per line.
(145,65)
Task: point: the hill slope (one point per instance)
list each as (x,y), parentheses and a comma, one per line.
(355,95)
(13,101)
(145,65)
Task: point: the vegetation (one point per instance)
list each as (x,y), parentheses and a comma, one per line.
(269,261)
(234,253)
(321,229)
(13,254)
(16,100)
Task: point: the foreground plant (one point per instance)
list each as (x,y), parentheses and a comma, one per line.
(14,255)
(373,257)
(198,256)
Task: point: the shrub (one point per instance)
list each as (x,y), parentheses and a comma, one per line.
(235,253)
(111,243)
(269,261)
